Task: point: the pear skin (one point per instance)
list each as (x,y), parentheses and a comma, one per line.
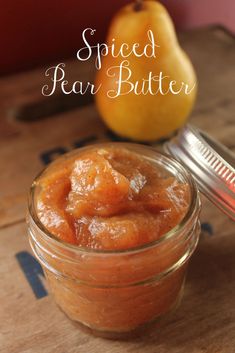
(145,117)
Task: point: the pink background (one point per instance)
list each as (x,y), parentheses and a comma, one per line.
(193,13)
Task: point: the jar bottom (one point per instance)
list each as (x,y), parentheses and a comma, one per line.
(143,329)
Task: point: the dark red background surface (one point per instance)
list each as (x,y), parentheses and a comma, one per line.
(33,32)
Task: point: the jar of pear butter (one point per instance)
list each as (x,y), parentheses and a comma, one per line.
(114,226)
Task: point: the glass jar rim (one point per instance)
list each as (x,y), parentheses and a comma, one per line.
(165,159)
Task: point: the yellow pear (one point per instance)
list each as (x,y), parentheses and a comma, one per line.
(147,92)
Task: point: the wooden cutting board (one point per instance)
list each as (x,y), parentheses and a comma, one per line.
(30,321)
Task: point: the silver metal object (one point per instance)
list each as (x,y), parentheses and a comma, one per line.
(211,163)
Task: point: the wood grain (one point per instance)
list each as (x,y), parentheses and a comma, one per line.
(205,322)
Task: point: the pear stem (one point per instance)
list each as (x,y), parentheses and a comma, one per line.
(138,5)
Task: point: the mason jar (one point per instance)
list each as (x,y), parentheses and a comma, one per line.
(117,292)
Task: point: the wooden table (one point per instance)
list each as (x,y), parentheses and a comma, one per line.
(30,321)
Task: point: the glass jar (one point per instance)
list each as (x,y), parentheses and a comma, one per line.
(118,292)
